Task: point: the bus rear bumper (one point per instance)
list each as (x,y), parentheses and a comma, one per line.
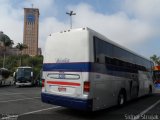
(23,84)
(67,101)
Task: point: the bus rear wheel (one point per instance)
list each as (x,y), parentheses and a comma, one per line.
(121,98)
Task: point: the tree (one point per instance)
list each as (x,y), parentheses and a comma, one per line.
(21,47)
(155,59)
(6,42)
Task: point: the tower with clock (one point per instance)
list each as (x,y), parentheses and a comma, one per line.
(31,30)
(30,17)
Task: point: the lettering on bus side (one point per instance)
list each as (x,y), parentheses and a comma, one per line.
(62,60)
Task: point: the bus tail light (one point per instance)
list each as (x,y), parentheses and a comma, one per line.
(86,87)
(43,82)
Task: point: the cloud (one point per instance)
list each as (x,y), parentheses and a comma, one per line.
(10,22)
(146,11)
(47,7)
(143,9)
(48,26)
(134,24)
(117,27)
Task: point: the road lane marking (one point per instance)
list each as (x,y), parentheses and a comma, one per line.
(27,113)
(36,111)
(10,117)
(146,110)
(10,93)
(7,94)
(18,100)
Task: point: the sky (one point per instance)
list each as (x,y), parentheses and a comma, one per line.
(134,24)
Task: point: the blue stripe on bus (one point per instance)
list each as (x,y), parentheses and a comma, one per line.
(91,67)
(83,67)
(67,101)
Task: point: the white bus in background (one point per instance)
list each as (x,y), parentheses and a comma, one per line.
(84,70)
(24,76)
(5,78)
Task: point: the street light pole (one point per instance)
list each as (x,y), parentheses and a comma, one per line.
(70,14)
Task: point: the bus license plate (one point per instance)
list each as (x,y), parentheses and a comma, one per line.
(62,89)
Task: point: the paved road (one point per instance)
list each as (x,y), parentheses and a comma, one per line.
(26,103)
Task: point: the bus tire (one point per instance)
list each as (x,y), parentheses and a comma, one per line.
(121,98)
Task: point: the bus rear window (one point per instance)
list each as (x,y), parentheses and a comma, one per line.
(63,76)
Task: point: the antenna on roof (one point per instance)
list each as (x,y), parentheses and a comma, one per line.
(70,14)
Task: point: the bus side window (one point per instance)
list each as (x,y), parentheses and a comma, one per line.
(97,60)
(108,60)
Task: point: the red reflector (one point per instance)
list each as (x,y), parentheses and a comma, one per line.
(63,83)
(43,80)
(86,87)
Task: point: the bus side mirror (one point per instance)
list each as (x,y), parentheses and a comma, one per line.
(31,74)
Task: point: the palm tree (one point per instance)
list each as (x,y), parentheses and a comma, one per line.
(155,59)
(21,47)
(6,42)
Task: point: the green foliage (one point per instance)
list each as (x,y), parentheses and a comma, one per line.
(155,59)
(12,62)
(21,46)
(7,42)
(5,73)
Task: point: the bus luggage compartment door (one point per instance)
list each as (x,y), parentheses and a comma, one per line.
(64,83)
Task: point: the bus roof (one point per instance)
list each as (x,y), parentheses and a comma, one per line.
(101,37)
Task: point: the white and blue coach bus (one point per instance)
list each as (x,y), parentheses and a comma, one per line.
(84,70)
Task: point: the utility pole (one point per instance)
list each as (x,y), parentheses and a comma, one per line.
(70,14)
(32,5)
